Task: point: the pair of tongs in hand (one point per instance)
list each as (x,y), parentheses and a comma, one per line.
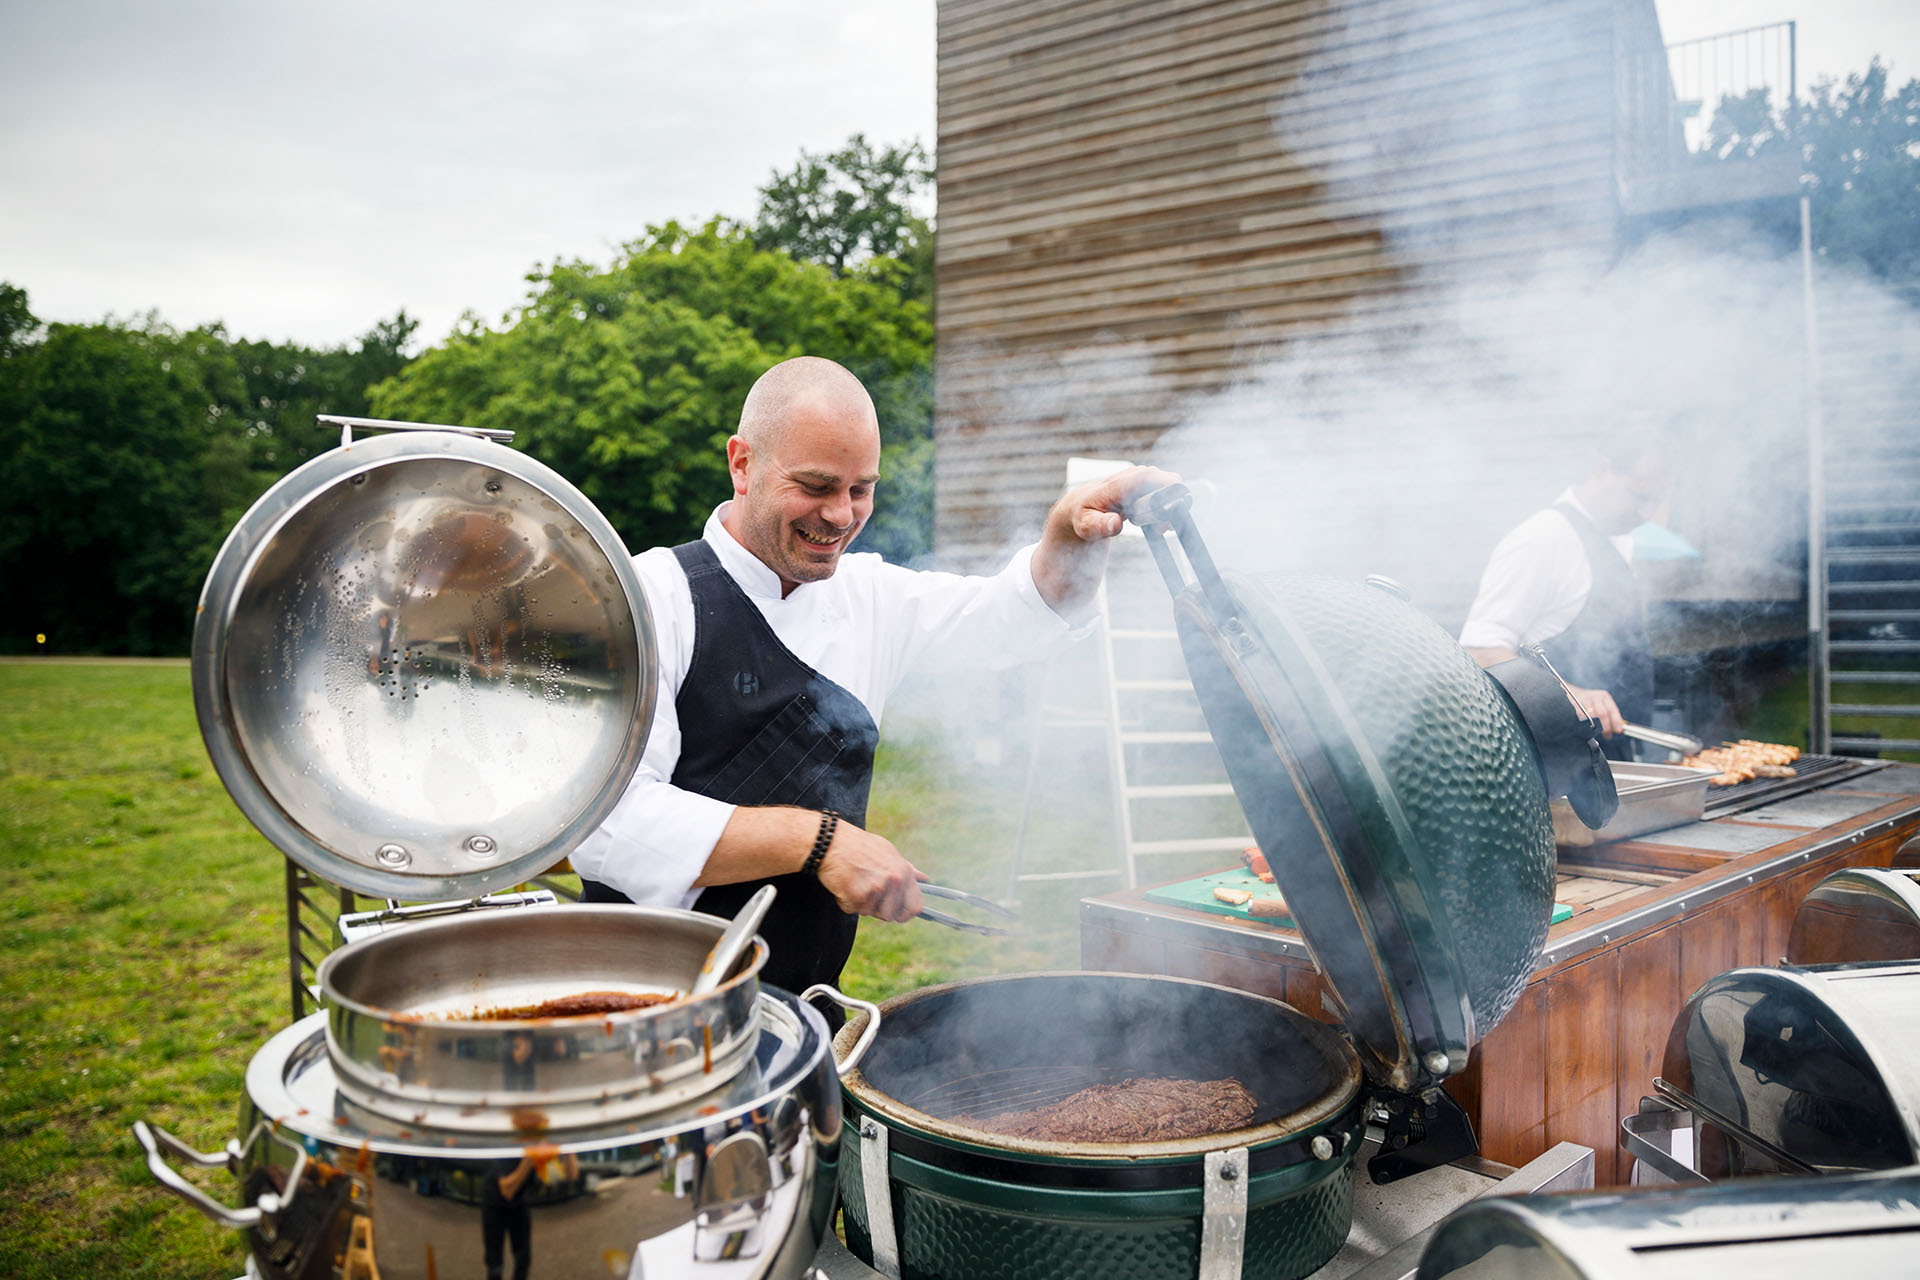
(972,900)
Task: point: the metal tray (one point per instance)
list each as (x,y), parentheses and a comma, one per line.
(1653,797)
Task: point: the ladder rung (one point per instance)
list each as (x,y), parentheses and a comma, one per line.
(1874,677)
(1207,844)
(1874,615)
(1874,646)
(1870,555)
(1891,584)
(1874,709)
(1154,686)
(1138,633)
(1180,791)
(1169,736)
(1878,744)
(1067,875)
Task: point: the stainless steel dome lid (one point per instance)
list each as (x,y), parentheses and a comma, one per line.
(423,665)
(1399,793)
(1866,1225)
(1818,1065)
(1858,914)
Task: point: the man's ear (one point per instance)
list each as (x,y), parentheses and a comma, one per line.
(739,457)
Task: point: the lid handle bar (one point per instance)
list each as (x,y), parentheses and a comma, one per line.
(1169,509)
(347,426)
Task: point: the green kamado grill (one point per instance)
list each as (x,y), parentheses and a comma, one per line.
(1401,797)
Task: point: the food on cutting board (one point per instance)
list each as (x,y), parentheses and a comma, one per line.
(1256,862)
(1743,761)
(1233,897)
(1268,907)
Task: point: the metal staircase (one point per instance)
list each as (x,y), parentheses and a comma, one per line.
(1871,561)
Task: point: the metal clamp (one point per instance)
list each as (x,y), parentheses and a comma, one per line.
(1223,1222)
(876,1183)
(347,426)
(261,1213)
(865,1042)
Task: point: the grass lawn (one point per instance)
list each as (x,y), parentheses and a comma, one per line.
(143,953)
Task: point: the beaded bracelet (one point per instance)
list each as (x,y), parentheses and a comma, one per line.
(829,820)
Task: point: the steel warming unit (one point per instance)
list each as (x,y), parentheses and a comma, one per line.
(424,669)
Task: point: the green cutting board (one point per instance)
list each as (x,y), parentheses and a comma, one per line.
(1197,894)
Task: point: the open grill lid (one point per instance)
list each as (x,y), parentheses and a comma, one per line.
(423,665)
(1397,791)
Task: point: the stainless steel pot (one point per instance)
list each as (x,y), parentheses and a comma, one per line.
(405,1044)
(737,1183)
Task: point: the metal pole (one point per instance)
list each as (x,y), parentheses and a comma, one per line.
(1819,731)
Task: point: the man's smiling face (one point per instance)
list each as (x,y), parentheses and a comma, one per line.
(802,497)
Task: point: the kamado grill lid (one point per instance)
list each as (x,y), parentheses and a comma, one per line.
(423,665)
(1399,795)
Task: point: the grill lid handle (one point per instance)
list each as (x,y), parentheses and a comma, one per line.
(1568,743)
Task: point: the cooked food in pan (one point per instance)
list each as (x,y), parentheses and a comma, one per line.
(1139,1110)
(578,1005)
(1745,760)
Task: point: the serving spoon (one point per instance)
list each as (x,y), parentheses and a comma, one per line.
(737,938)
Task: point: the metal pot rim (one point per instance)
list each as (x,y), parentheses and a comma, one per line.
(749,973)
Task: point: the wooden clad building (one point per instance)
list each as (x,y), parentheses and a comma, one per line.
(1238,234)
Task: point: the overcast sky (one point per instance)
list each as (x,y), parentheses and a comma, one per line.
(300,172)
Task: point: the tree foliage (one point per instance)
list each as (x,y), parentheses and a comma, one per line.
(1859,147)
(131,450)
(853,208)
(628,379)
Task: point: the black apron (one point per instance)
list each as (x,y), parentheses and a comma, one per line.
(760,727)
(1606,645)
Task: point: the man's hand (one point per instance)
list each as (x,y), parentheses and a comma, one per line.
(1072,555)
(1599,704)
(867,876)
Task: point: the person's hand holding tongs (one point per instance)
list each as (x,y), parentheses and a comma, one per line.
(971,900)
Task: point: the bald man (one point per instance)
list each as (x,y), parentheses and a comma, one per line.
(778,651)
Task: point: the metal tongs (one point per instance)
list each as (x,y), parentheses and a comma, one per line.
(1677,742)
(972,900)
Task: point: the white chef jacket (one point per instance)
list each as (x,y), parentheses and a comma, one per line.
(864,628)
(1536,582)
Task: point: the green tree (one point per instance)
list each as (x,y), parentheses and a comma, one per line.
(628,379)
(132,449)
(1859,147)
(854,208)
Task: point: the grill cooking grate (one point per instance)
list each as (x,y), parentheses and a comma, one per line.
(1809,773)
(994,1093)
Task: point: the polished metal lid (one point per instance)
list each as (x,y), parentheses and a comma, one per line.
(1807,1070)
(1858,914)
(1751,1227)
(423,665)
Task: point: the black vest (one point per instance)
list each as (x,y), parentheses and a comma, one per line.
(1606,645)
(760,727)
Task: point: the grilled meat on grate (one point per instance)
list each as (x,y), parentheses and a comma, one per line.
(1142,1110)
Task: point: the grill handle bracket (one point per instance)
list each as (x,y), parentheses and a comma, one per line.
(1165,515)
(262,1213)
(1423,1131)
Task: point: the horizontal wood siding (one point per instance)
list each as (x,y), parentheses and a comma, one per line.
(1141,203)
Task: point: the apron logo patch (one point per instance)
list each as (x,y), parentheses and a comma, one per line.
(746,683)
